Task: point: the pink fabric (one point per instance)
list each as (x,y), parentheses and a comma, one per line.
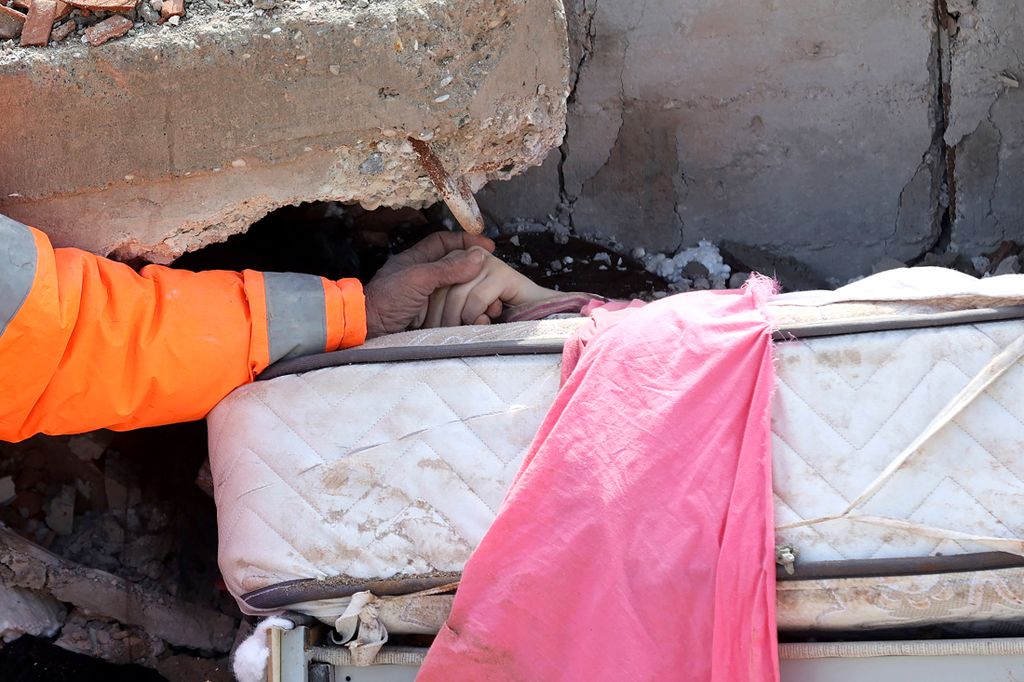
(636,541)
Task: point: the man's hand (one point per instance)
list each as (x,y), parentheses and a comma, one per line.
(398,294)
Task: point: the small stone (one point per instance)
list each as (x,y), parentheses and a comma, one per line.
(555,266)
(373,164)
(157,5)
(238,163)
(172,8)
(526,259)
(603,258)
(738,279)
(174,20)
(638,253)
(335,69)
(567,260)
(514,241)
(445,82)
(60,511)
(695,270)
(276,29)
(541,89)
(148,14)
(7,490)
(1008,266)
(442,98)
(701,283)
(981,265)
(108,29)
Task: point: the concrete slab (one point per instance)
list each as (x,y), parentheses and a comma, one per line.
(172,138)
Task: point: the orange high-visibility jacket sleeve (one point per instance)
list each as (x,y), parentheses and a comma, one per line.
(88,343)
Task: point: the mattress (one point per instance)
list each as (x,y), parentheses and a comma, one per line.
(896,434)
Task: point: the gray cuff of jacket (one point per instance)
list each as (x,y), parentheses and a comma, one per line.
(296,315)
(18,261)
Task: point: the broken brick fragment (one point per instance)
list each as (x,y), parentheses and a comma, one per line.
(172,8)
(11,23)
(112,27)
(104,5)
(63,31)
(38,23)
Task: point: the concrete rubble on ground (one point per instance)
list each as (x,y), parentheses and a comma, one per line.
(241,110)
(41,23)
(97,564)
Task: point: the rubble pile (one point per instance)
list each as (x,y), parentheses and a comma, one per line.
(553,255)
(102,553)
(37,23)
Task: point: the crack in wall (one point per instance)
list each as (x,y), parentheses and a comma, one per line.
(945,206)
(566,202)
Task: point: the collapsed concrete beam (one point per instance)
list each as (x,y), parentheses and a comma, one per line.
(173,138)
(26,565)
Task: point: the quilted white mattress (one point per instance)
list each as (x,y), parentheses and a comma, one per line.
(902,443)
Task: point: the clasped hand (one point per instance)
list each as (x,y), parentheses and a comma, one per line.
(445,280)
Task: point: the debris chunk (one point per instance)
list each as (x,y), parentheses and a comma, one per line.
(28,612)
(1008,266)
(11,23)
(112,27)
(60,511)
(172,8)
(7,490)
(63,31)
(97,592)
(38,24)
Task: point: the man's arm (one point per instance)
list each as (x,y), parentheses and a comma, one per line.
(88,343)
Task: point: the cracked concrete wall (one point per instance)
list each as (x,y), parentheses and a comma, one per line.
(986,123)
(801,130)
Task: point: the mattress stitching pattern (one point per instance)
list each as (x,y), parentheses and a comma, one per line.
(935,374)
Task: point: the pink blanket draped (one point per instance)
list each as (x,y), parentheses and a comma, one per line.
(636,542)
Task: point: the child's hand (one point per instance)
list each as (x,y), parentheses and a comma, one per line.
(482,299)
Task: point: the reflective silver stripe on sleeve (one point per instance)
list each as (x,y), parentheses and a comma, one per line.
(296,315)
(18,260)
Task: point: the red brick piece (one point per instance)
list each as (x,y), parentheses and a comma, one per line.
(11,23)
(38,23)
(63,31)
(104,5)
(113,27)
(172,8)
